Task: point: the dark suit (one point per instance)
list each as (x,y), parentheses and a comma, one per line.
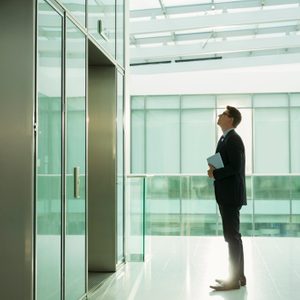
(230,192)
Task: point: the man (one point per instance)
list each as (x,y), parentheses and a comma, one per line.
(230,193)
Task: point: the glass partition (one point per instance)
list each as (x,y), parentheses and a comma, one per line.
(171,136)
(120,168)
(75,119)
(102,23)
(135,218)
(49,152)
(77,8)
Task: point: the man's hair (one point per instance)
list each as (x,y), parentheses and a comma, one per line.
(235,114)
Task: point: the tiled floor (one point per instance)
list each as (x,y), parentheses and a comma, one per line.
(182,268)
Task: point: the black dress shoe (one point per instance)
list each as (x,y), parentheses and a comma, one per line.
(243,281)
(226,286)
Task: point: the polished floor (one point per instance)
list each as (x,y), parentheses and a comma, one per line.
(182,268)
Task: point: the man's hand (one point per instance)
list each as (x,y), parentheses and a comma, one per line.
(210,173)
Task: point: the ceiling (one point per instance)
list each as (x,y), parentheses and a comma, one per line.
(178,31)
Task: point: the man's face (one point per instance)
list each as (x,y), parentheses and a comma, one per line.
(224,119)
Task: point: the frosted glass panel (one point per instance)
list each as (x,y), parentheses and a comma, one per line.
(137,102)
(198,139)
(162,140)
(162,102)
(271,145)
(137,142)
(198,101)
(75,158)
(295,140)
(245,131)
(295,100)
(234,100)
(270,100)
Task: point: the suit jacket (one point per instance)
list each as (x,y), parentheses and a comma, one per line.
(230,185)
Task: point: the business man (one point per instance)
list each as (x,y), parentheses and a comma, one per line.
(230,193)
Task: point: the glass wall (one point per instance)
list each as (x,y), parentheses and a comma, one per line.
(77,8)
(75,145)
(171,137)
(104,20)
(49,154)
(102,23)
(120,168)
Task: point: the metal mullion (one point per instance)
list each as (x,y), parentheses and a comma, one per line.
(35,153)
(290,156)
(63,158)
(252,167)
(216,139)
(145,135)
(86,162)
(180,165)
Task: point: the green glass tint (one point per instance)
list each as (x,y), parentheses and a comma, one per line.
(75,254)
(173,135)
(48,163)
(162,141)
(196,126)
(77,8)
(120,169)
(135,218)
(102,24)
(271,140)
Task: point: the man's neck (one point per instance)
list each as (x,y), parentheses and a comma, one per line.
(227,128)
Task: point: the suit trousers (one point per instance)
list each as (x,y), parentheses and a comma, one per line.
(231,230)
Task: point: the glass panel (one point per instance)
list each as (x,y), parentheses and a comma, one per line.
(295,100)
(162,102)
(163,206)
(198,101)
(294,227)
(48,164)
(77,8)
(135,212)
(272,204)
(162,140)
(120,169)
(101,23)
(234,100)
(270,100)
(75,158)
(198,139)
(271,145)
(138,142)
(245,131)
(198,206)
(295,141)
(137,102)
(120,31)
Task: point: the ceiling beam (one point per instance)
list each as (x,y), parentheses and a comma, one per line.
(217,34)
(214,21)
(205,7)
(213,48)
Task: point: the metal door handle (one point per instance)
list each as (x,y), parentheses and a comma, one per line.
(76,182)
